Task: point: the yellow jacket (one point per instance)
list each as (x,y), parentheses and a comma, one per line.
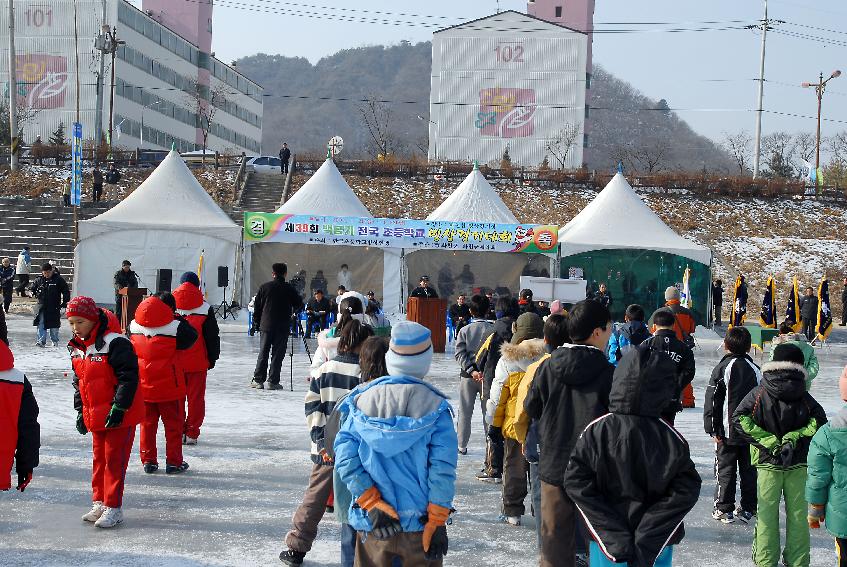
(502,406)
(521,420)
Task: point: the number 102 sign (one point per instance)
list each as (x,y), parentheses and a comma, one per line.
(509,52)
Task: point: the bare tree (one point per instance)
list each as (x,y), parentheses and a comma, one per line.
(562,142)
(25,115)
(376,117)
(805,144)
(779,148)
(739,147)
(651,155)
(837,145)
(206,101)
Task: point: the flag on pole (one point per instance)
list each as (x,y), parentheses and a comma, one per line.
(808,172)
(685,299)
(824,326)
(739,304)
(792,311)
(768,316)
(201,265)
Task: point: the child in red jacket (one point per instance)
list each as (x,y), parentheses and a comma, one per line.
(201,357)
(20,434)
(157,336)
(105,384)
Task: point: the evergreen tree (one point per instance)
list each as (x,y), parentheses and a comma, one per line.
(57,138)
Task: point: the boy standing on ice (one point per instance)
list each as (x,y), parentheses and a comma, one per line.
(732,379)
(826,486)
(157,336)
(396,452)
(779,418)
(202,356)
(106,400)
(20,434)
(631,475)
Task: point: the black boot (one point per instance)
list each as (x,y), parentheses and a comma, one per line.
(291,557)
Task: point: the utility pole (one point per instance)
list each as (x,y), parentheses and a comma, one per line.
(113,43)
(764,26)
(13,93)
(76,120)
(820,88)
(100,45)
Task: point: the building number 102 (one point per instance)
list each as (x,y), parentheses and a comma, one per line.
(39,17)
(509,53)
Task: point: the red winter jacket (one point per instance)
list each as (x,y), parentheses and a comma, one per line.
(157,336)
(194,309)
(19,429)
(105,374)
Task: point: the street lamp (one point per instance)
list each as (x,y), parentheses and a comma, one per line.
(820,88)
(435,138)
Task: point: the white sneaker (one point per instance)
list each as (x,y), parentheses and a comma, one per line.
(96,511)
(189,440)
(111,517)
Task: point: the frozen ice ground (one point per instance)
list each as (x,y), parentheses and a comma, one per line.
(248,473)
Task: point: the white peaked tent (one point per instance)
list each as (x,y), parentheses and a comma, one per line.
(618,218)
(165,223)
(327,193)
(454,272)
(619,240)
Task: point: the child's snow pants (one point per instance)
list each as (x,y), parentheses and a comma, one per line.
(772,486)
(195,393)
(111,448)
(172,418)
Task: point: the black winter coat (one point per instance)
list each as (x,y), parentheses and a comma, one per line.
(569,391)
(779,406)
(683,360)
(502,333)
(4,332)
(315,306)
(125,279)
(809,307)
(732,379)
(275,302)
(631,473)
(421,291)
(29,432)
(7,277)
(53,294)
(717,294)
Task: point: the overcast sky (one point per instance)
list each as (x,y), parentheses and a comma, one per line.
(708,76)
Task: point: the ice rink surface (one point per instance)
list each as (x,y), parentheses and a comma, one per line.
(249,471)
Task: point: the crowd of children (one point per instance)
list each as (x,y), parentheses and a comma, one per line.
(579,416)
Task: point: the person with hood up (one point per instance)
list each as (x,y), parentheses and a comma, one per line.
(630,474)
(664,339)
(20,434)
(22,270)
(487,358)
(826,485)
(396,453)
(526,347)
(203,354)
(779,418)
(158,336)
(732,379)
(632,333)
(684,326)
(107,402)
(569,391)
(788,336)
(468,340)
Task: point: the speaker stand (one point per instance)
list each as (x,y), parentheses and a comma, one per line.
(226,308)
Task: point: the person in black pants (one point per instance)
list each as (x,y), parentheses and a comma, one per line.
(7,283)
(125,277)
(284,157)
(275,303)
(97,184)
(316,312)
(809,313)
(717,300)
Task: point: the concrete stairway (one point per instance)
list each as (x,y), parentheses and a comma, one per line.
(262,193)
(46,227)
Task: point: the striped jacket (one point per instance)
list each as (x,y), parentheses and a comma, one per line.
(336,377)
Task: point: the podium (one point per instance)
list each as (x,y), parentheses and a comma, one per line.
(432,314)
(131,297)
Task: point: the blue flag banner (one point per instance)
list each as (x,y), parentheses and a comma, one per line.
(768,316)
(792,310)
(76,179)
(739,304)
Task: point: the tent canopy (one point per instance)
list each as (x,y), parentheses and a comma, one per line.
(474,200)
(618,219)
(326,192)
(170,199)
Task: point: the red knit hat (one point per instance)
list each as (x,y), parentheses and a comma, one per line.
(7,361)
(84,307)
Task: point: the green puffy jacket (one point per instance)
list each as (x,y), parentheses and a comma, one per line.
(811,359)
(827,481)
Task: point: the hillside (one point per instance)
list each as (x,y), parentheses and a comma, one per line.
(308,104)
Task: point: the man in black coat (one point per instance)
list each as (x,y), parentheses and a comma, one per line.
(316,312)
(717,300)
(275,303)
(809,313)
(125,277)
(53,294)
(460,313)
(424,289)
(630,473)
(284,157)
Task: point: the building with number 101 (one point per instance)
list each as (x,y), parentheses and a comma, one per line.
(513,81)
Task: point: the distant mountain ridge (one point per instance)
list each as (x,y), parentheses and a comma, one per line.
(305,105)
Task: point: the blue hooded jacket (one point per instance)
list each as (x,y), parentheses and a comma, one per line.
(399,437)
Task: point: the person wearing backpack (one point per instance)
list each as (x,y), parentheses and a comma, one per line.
(633,332)
(683,369)
(684,327)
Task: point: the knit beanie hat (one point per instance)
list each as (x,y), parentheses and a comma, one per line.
(409,350)
(528,326)
(7,360)
(671,293)
(189,277)
(84,307)
(788,353)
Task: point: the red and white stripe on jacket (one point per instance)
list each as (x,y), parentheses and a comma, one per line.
(11,391)
(196,358)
